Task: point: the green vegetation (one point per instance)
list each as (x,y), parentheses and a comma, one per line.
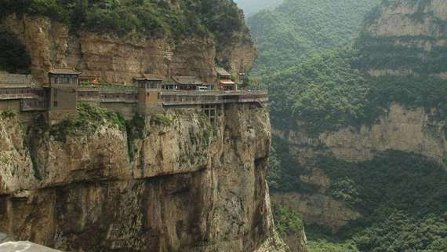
(328,91)
(7,114)
(401,53)
(402,198)
(319,82)
(287,221)
(88,120)
(325,91)
(284,171)
(161,119)
(219,18)
(393,181)
(135,129)
(13,55)
(317,85)
(287,34)
(325,246)
(400,232)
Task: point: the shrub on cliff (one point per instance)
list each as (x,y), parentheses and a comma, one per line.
(287,220)
(89,119)
(220,18)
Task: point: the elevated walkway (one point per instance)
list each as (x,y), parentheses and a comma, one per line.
(179,98)
(107,94)
(15,80)
(19,92)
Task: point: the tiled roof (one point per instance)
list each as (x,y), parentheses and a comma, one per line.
(149,77)
(227,82)
(191,80)
(222,72)
(64,71)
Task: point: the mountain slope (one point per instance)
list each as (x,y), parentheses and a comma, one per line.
(360,136)
(116,41)
(359,130)
(296,28)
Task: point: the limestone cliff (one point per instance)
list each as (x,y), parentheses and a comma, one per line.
(170,182)
(400,39)
(400,34)
(118,59)
(403,129)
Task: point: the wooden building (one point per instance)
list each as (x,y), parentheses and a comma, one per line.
(224,79)
(190,83)
(65,77)
(148,81)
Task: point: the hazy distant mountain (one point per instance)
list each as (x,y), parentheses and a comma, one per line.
(250,7)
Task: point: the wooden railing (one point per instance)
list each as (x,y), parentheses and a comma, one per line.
(7,79)
(16,93)
(178,98)
(34,98)
(108,95)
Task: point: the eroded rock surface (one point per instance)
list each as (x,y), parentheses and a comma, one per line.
(188,186)
(120,59)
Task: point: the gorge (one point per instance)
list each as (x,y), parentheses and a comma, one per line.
(358,120)
(168,180)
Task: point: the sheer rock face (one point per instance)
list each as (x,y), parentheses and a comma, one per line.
(397,19)
(120,59)
(189,186)
(402,38)
(404,129)
(418,27)
(413,130)
(15,161)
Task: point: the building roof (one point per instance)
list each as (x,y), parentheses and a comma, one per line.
(149,77)
(227,82)
(185,80)
(222,72)
(64,71)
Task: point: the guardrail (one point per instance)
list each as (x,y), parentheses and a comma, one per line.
(107,95)
(15,79)
(177,98)
(16,93)
(35,98)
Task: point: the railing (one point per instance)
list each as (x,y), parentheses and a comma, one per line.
(176,98)
(119,97)
(15,79)
(108,95)
(20,93)
(33,98)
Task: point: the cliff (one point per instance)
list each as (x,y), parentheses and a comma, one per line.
(405,38)
(118,54)
(401,129)
(401,53)
(170,182)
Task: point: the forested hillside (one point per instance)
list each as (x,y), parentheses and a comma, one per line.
(151,17)
(298,27)
(358,110)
